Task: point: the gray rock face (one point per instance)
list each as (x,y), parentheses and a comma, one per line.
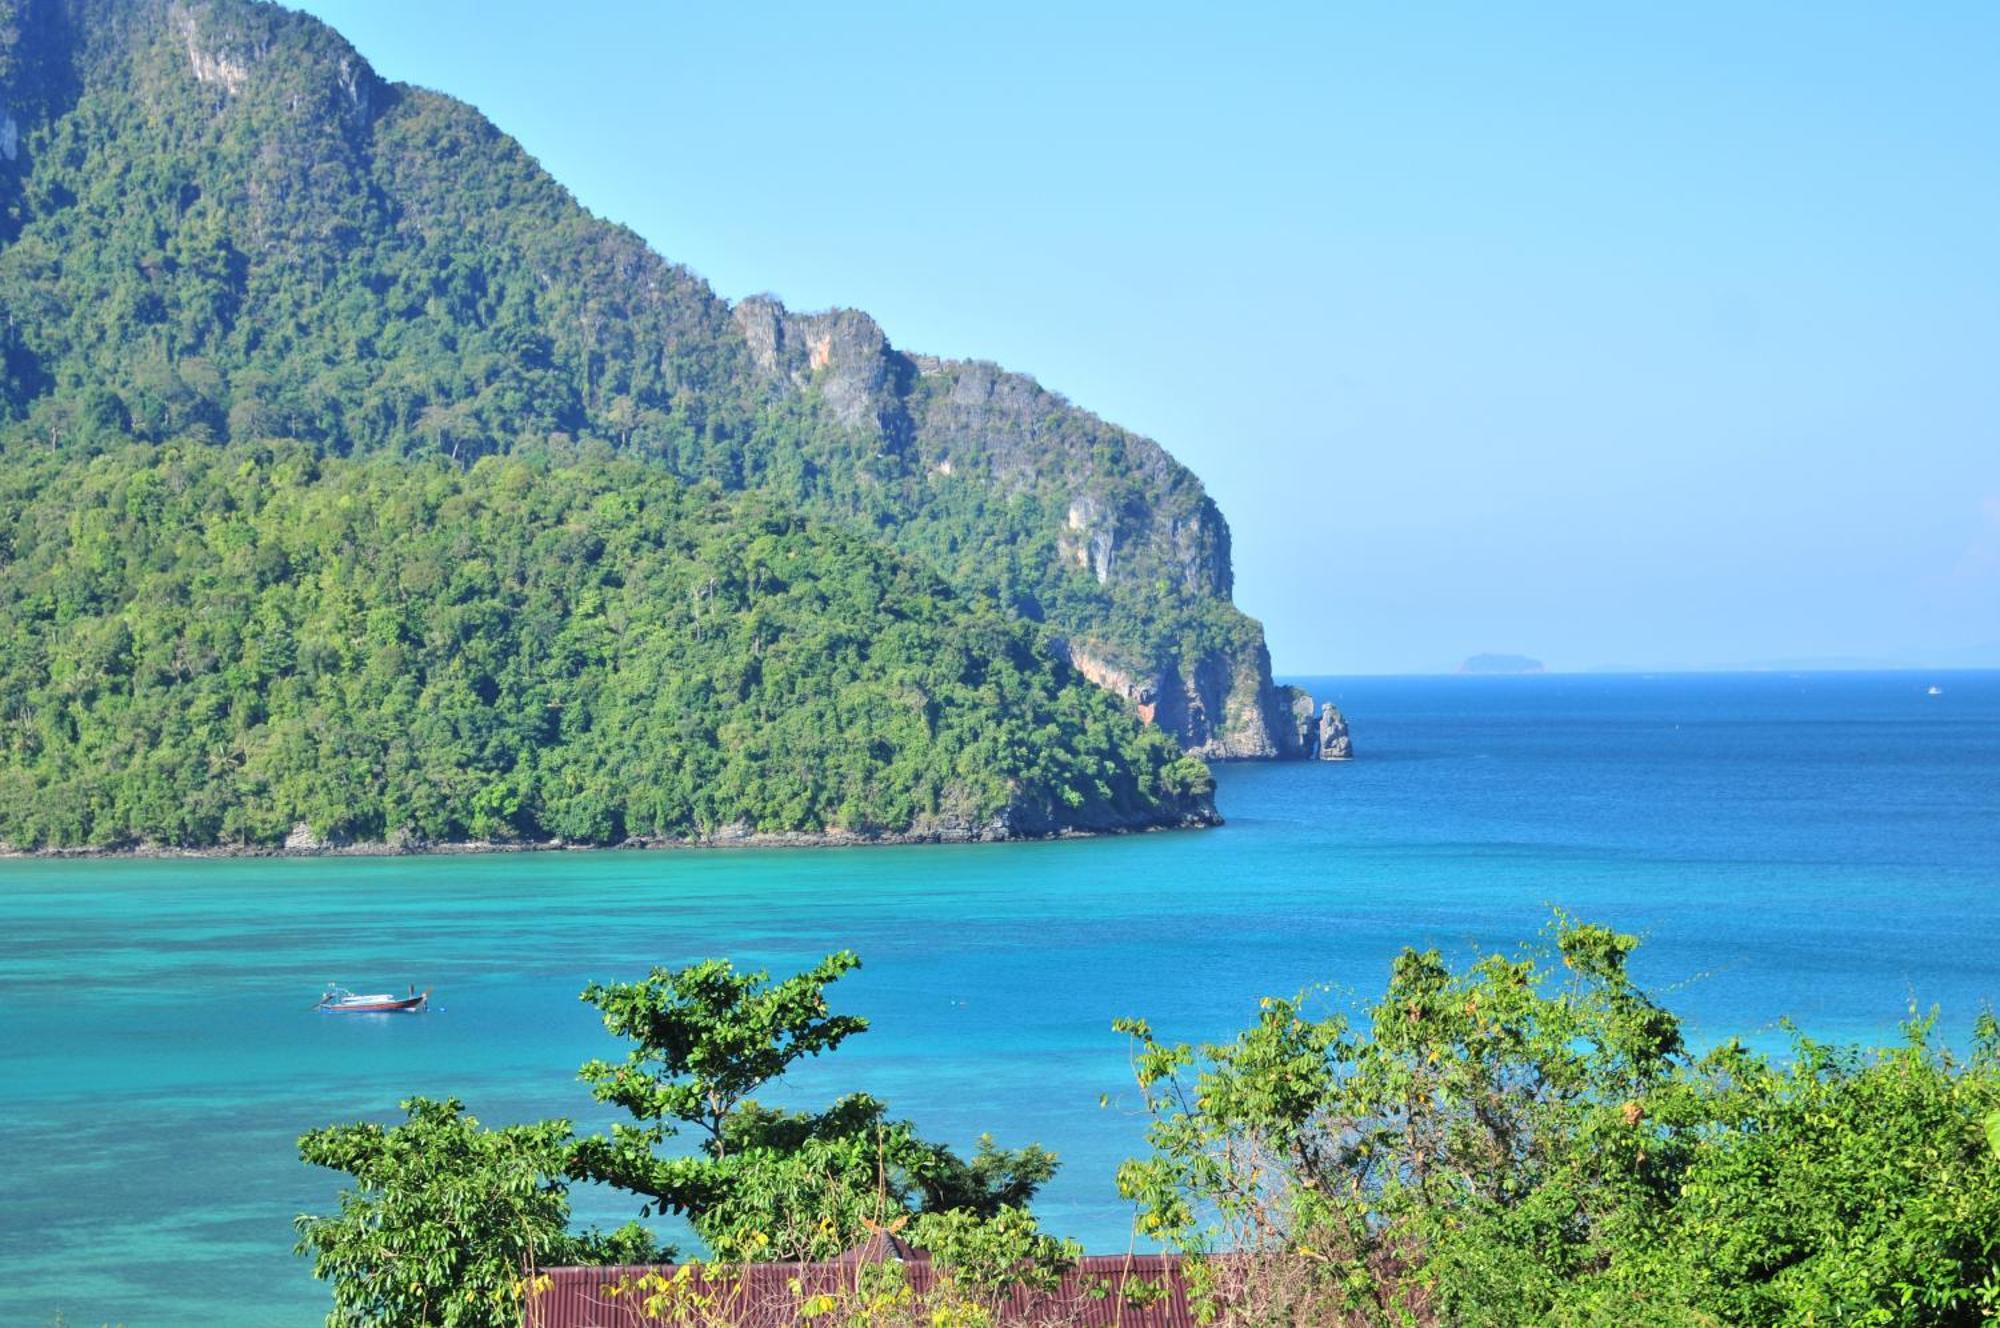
(1130,514)
(1224,708)
(228,52)
(1107,504)
(1334,743)
(1301,736)
(303,840)
(841,354)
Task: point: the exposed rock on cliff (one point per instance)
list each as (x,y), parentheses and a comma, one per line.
(1303,735)
(1223,708)
(1096,531)
(841,355)
(1334,743)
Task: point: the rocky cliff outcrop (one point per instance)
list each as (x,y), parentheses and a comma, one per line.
(1303,735)
(1092,529)
(841,356)
(1223,708)
(1334,743)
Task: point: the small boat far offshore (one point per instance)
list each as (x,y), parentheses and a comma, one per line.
(339,1000)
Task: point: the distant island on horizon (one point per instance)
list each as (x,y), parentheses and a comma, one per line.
(1496,663)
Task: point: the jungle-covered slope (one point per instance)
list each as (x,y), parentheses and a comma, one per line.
(240,645)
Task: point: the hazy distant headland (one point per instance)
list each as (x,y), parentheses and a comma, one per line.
(1493,663)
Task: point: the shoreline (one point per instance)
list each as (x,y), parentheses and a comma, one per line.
(726,839)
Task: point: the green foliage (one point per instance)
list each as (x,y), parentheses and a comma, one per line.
(447,1220)
(764,1183)
(1840,1187)
(211,645)
(807,1185)
(988,1257)
(1528,1142)
(706,1037)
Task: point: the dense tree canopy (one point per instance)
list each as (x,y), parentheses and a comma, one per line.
(1530,1142)
(215,644)
(446,1219)
(763,1183)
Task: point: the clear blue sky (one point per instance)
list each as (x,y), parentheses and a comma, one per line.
(1628,335)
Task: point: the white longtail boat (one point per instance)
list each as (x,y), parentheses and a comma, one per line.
(339,1000)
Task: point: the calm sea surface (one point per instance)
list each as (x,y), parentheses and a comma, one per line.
(1820,847)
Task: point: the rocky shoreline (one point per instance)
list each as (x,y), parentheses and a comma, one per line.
(304,846)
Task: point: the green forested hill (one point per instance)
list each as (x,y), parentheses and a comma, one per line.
(222,237)
(221,225)
(216,644)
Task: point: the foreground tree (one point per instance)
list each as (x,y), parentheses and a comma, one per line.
(1529,1142)
(1840,1186)
(764,1183)
(984,1259)
(447,1220)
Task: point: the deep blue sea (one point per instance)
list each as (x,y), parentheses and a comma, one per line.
(1824,848)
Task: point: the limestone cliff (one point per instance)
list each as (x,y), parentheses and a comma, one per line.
(1334,743)
(1094,530)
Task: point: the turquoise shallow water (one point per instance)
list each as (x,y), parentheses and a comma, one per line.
(1824,847)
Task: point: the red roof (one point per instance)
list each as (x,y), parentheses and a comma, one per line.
(882,1246)
(1102,1291)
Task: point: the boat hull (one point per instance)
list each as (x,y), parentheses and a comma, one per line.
(409,1005)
